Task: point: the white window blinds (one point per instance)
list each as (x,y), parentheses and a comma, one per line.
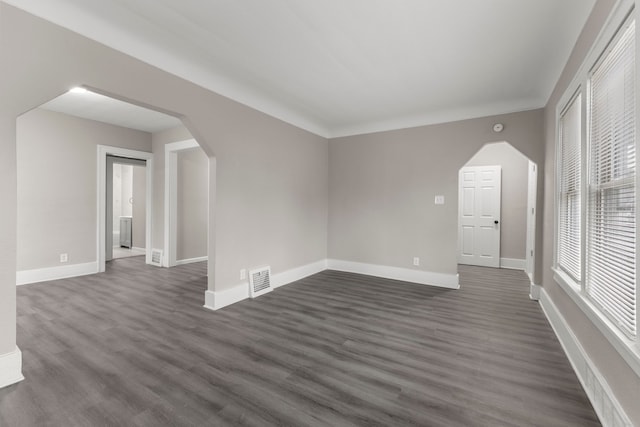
(611,205)
(569,241)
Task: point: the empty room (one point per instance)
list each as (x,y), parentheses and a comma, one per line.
(318,213)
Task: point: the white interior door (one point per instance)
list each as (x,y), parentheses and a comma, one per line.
(479,197)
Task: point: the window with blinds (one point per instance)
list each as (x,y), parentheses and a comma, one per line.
(611,205)
(569,239)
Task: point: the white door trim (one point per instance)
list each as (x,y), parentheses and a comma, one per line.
(532,212)
(171,197)
(103,152)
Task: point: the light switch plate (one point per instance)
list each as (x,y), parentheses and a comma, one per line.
(439,200)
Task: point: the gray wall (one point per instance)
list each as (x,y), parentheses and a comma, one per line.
(57,189)
(624,382)
(192,206)
(382,188)
(515,179)
(259,161)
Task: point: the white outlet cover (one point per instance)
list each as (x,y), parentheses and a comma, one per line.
(439,200)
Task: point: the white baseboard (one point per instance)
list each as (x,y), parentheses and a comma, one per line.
(513,263)
(396,273)
(11,368)
(54,273)
(534,291)
(191,260)
(215,300)
(298,273)
(604,402)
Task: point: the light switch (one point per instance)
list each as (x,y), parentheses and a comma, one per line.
(439,200)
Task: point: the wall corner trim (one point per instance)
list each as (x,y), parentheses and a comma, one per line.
(534,291)
(215,300)
(607,407)
(450,281)
(513,263)
(11,368)
(54,273)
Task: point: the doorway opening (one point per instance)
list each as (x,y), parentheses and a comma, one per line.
(186,203)
(497,190)
(125,187)
(128,213)
(69,150)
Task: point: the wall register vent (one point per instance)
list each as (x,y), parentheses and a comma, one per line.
(260,281)
(156,257)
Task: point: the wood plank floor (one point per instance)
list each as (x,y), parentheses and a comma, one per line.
(134,346)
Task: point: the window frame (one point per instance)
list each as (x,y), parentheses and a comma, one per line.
(579,94)
(619,19)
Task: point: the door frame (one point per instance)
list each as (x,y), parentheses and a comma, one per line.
(532,212)
(171,197)
(103,152)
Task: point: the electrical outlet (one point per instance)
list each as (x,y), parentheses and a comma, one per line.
(64,257)
(439,200)
(243,274)
(416,261)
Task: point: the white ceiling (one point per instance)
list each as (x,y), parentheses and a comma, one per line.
(98,107)
(340,67)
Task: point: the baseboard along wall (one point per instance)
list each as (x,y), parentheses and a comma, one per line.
(513,263)
(191,260)
(604,402)
(215,300)
(54,273)
(11,368)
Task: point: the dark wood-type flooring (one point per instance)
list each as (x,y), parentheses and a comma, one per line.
(135,347)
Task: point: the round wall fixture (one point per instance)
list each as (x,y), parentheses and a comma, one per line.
(498,127)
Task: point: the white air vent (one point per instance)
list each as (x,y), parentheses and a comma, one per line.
(259,281)
(156,257)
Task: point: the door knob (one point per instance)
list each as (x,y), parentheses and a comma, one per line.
(496,221)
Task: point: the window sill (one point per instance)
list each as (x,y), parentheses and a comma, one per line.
(628,349)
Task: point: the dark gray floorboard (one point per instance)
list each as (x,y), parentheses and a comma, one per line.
(134,346)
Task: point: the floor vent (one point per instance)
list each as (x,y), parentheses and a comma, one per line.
(156,257)
(260,281)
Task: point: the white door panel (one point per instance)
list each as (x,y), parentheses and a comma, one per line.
(479,215)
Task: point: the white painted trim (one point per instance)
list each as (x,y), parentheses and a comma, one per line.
(103,152)
(534,291)
(191,260)
(532,213)
(171,197)
(396,273)
(298,273)
(54,273)
(513,263)
(629,350)
(215,300)
(604,402)
(11,368)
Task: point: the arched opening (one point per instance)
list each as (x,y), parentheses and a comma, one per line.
(496,209)
(66,215)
